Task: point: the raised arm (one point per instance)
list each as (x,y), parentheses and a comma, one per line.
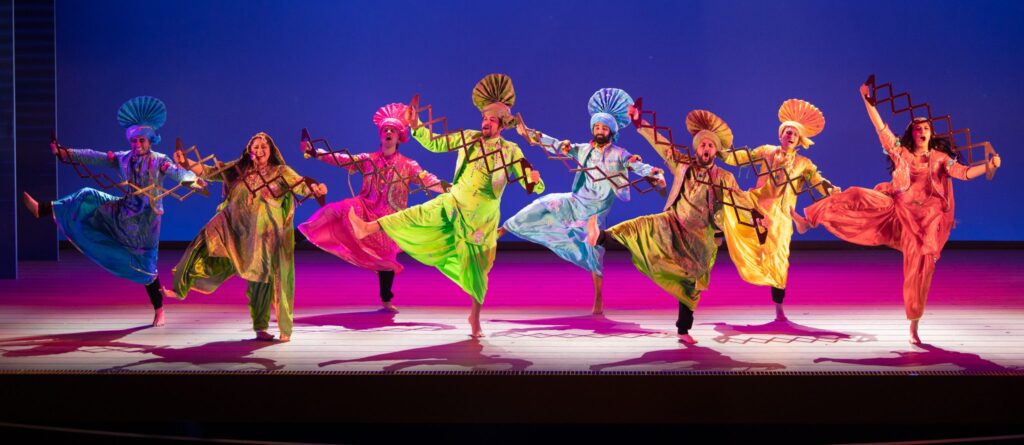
(432,141)
(657,140)
(885,135)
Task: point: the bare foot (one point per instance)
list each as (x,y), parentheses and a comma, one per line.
(30,203)
(389,307)
(158,318)
(474,325)
(501,232)
(359,228)
(273,311)
(780,314)
(598,307)
(263,335)
(687,339)
(169,293)
(914,338)
(593,231)
(801,223)
(285,338)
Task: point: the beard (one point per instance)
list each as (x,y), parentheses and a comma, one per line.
(601,139)
(705,162)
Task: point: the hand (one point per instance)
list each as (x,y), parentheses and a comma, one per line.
(522,130)
(995,162)
(865,92)
(199,183)
(660,182)
(764,222)
(306,147)
(633,113)
(564,147)
(179,158)
(53,148)
(534,176)
(319,189)
(655,171)
(412,117)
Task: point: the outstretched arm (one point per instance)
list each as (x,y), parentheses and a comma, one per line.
(963,172)
(636,165)
(550,144)
(91,157)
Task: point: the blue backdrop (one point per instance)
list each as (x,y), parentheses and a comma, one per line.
(227,69)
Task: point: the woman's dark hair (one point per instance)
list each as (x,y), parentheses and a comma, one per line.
(941,144)
(245,161)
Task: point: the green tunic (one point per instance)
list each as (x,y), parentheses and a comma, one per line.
(455,232)
(252,237)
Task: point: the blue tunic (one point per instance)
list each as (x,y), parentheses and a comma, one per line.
(122,235)
(558,221)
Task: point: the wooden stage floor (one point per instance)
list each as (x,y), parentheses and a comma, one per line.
(844,308)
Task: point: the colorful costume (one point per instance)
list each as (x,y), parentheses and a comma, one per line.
(775,196)
(455,231)
(558,221)
(251,236)
(383,192)
(122,234)
(913,213)
(677,248)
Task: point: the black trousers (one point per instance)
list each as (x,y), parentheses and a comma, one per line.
(778,295)
(685,320)
(386,278)
(155,296)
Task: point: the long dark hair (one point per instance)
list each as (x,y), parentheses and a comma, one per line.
(244,163)
(941,144)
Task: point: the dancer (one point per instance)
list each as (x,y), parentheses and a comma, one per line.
(558,221)
(251,235)
(913,213)
(387,179)
(677,248)
(783,174)
(122,235)
(457,231)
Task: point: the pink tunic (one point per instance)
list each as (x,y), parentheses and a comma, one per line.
(385,190)
(913,213)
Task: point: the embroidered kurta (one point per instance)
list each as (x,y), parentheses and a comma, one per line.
(768,264)
(455,232)
(250,236)
(559,221)
(913,213)
(676,248)
(122,235)
(385,190)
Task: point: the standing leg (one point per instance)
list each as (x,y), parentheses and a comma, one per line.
(918,270)
(684,323)
(598,302)
(156,297)
(260,296)
(386,278)
(474,320)
(778,295)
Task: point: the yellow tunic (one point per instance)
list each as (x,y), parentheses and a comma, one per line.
(768,264)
